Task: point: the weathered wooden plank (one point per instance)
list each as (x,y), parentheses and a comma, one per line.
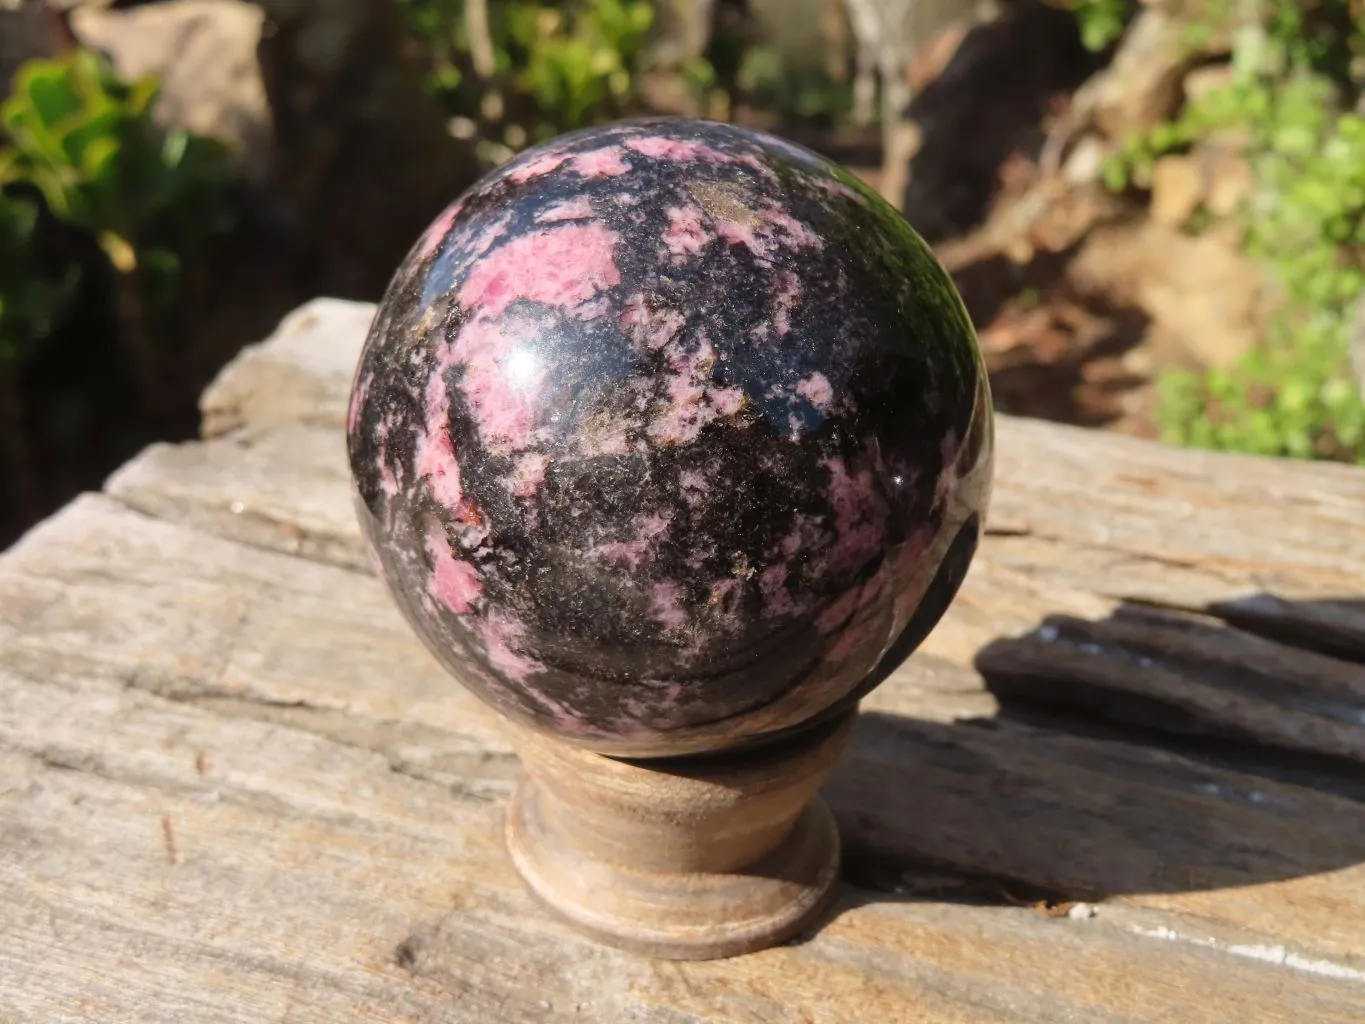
(166,864)
(1087,522)
(255,915)
(165,861)
(199,618)
(1103,513)
(1031,635)
(272,804)
(166,610)
(1185,508)
(1026,626)
(1274,545)
(301,374)
(286,489)
(1093,819)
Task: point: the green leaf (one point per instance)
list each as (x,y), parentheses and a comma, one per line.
(48,91)
(99,162)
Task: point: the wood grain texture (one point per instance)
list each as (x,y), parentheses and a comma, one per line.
(692,861)
(1083,528)
(178,847)
(301,374)
(233,787)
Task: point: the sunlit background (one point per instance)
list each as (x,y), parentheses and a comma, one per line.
(1155,211)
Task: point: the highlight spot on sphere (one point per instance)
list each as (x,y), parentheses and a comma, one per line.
(671,436)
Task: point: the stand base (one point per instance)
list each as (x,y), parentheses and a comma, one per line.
(679,916)
(682,859)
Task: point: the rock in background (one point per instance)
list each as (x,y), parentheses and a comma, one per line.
(204,52)
(348,159)
(28,29)
(1084,296)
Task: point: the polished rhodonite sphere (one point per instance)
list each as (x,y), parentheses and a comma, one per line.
(670,436)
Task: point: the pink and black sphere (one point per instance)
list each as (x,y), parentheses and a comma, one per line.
(671,437)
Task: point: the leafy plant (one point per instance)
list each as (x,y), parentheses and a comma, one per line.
(86,142)
(576,63)
(1297,77)
(522,71)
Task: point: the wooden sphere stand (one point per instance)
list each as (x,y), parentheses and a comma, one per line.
(683,858)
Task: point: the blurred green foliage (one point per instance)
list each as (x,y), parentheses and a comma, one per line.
(1292,103)
(802,92)
(519,72)
(576,63)
(99,211)
(87,142)
(1101,22)
(524,72)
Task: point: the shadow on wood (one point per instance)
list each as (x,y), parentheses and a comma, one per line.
(1003,810)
